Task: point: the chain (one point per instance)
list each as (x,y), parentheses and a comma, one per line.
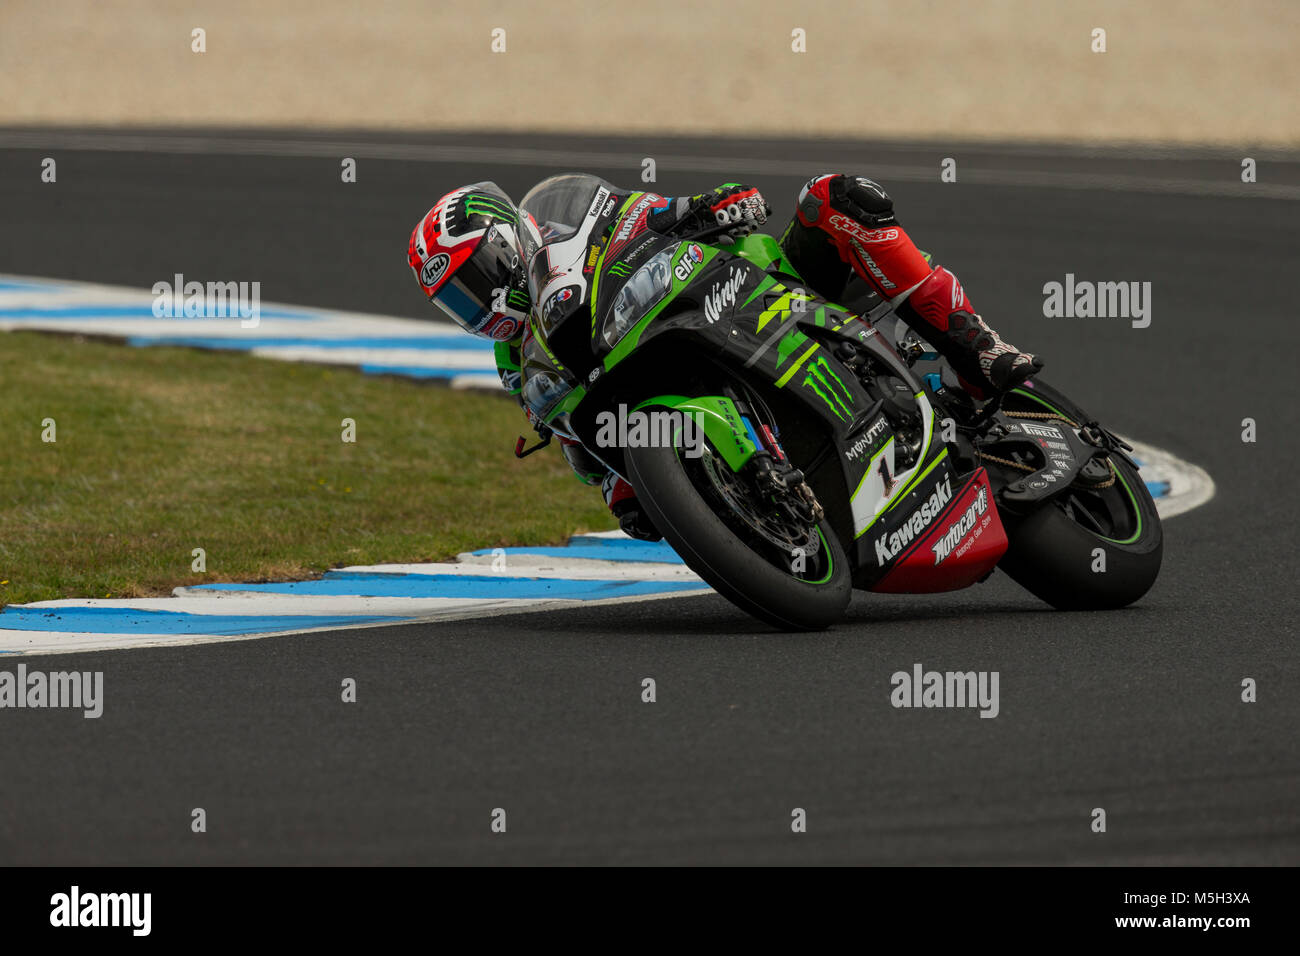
(1023,467)
(1004,461)
(1109,481)
(1044,415)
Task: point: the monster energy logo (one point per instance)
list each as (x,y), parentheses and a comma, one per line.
(517,298)
(819,378)
(489,207)
(620,269)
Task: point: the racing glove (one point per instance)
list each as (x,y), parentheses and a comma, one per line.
(743,208)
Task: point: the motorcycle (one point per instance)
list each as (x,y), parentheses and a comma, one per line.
(818,448)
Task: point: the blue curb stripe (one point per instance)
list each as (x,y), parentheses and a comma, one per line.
(653,554)
(137,312)
(439,343)
(621,544)
(114,620)
(461,586)
(43,286)
(487,372)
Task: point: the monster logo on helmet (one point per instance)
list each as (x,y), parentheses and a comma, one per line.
(466,249)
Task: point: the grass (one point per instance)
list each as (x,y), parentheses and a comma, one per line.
(160,451)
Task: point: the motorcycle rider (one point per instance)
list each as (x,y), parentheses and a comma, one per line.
(470,254)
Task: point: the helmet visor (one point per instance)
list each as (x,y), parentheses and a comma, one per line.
(482,291)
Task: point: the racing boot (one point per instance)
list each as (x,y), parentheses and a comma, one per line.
(623,505)
(846,224)
(939,311)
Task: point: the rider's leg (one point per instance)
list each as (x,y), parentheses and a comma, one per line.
(619,495)
(845,223)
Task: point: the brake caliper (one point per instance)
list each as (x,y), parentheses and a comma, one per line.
(785,485)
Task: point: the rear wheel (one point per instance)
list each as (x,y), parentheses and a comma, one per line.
(790,573)
(1096,546)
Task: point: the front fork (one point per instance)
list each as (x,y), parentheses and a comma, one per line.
(774,475)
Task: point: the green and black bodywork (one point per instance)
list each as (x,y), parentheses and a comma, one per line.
(822,444)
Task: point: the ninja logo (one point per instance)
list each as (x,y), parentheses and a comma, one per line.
(829,387)
(723,295)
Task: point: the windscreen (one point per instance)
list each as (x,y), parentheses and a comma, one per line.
(559,203)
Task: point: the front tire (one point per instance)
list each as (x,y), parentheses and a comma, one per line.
(717,553)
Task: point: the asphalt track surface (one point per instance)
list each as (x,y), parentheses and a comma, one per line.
(1137,711)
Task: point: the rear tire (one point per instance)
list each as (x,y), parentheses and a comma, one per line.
(716,553)
(1053,557)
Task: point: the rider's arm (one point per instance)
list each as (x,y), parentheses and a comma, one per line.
(731,202)
(507,357)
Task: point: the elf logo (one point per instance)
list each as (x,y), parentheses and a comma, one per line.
(692,255)
(889,546)
(961,527)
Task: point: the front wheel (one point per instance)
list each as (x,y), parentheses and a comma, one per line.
(793,577)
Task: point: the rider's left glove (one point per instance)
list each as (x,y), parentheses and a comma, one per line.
(742,206)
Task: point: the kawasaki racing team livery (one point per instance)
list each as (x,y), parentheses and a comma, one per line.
(838,453)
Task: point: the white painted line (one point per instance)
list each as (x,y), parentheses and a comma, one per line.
(1190,486)
(802,166)
(543,566)
(467,360)
(45,643)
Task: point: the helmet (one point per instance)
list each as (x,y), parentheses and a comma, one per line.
(467,255)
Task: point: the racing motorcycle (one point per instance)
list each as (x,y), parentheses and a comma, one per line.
(833,451)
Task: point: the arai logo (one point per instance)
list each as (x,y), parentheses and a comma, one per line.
(434,269)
